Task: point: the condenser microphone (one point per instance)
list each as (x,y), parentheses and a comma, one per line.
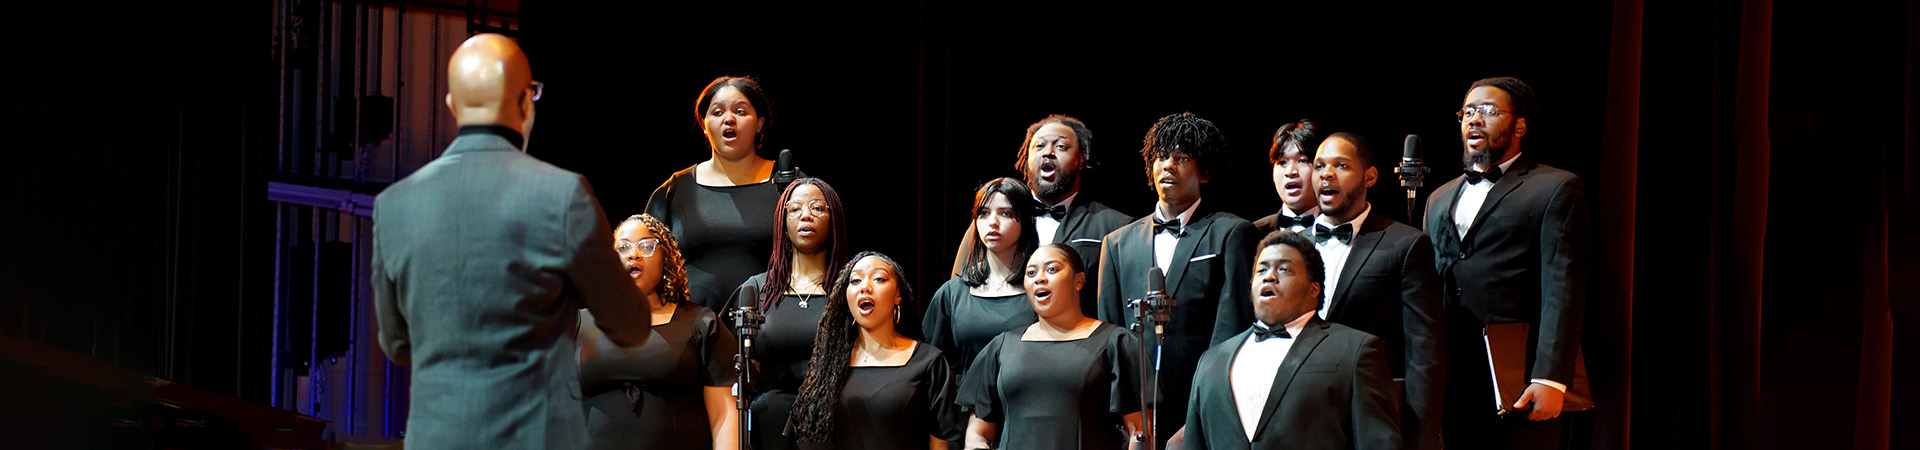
(1413,172)
(1158,303)
(783,171)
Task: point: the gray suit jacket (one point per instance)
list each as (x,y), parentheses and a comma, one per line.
(481,262)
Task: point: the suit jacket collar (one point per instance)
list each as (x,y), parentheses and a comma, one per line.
(1365,240)
(1077,212)
(1183,250)
(1516,175)
(1303,345)
(479,142)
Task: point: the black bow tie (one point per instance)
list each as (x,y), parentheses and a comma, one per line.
(1262,332)
(1344,233)
(1492,175)
(1281,221)
(1057,212)
(1170,226)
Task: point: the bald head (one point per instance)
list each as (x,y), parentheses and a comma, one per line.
(487,83)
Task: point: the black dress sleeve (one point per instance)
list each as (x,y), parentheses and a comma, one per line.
(1124,365)
(938,326)
(718,349)
(945,421)
(980,387)
(660,204)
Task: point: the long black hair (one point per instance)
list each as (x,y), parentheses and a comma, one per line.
(780,263)
(827,371)
(975,272)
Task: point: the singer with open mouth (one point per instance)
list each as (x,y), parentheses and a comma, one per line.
(1203,250)
(809,248)
(988,296)
(661,394)
(714,207)
(1067,381)
(1292,159)
(868,386)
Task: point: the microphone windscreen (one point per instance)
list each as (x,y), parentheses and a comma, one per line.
(785,162)
(1156,280)
(1413,147)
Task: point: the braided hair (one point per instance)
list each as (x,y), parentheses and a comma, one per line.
(827,372)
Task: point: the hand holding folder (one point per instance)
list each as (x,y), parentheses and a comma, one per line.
(1507,353)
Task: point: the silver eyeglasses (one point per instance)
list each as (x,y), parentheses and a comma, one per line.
(1482,110)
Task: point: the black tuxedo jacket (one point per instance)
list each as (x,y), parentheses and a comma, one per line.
(1209,277)
(1522,260)
(1389,288)
(1332,392)
(1086,224)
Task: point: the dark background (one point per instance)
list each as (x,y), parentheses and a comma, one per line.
(1749,165)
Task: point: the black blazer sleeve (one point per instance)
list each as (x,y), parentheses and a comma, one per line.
(1563,284)
(1423,320)
(1235,309)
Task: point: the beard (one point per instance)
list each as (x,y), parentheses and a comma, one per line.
(1057,189)
(1496,150)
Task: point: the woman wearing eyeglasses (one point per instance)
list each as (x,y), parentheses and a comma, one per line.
(651,396)
(715,206)
(810,248)
(988,297)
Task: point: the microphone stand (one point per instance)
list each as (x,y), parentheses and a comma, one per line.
(1152,311)
(746,323)
(1413,173)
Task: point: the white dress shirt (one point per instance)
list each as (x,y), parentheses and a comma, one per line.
(1472,196)
(1334,254)
(1164,242)
(1043,225)
(1254,367)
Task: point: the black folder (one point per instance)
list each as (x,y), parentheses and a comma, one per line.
(1507,357)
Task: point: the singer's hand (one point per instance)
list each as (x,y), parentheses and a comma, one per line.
(1546,401)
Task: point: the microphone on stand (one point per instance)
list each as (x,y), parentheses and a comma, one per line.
(783,171)
(746,323)
(1155,307)
(1413,173)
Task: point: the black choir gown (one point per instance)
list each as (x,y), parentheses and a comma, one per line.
(1057,394)
(652,396)
(889,408)
(782,348)
(724,232)
(960,323)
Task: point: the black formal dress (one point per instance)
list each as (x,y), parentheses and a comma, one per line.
(652,396)
(888,408)
(725,232)
(1085,225)
(1521,261)
(1331,392)
(1388,288)
(782,349)
(1057,394)
(960,323)
(1209,278)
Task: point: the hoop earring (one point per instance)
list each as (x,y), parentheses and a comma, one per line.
(896,314)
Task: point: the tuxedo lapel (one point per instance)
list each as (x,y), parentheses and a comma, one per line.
(1225,376)
(1183,250)
(1365,240)
(1310,337)
(1500,190)
(1076,215)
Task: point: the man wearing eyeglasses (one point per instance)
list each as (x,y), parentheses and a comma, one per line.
(481,262)
(1508,238)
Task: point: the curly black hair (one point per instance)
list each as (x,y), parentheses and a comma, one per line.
(1188,134)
